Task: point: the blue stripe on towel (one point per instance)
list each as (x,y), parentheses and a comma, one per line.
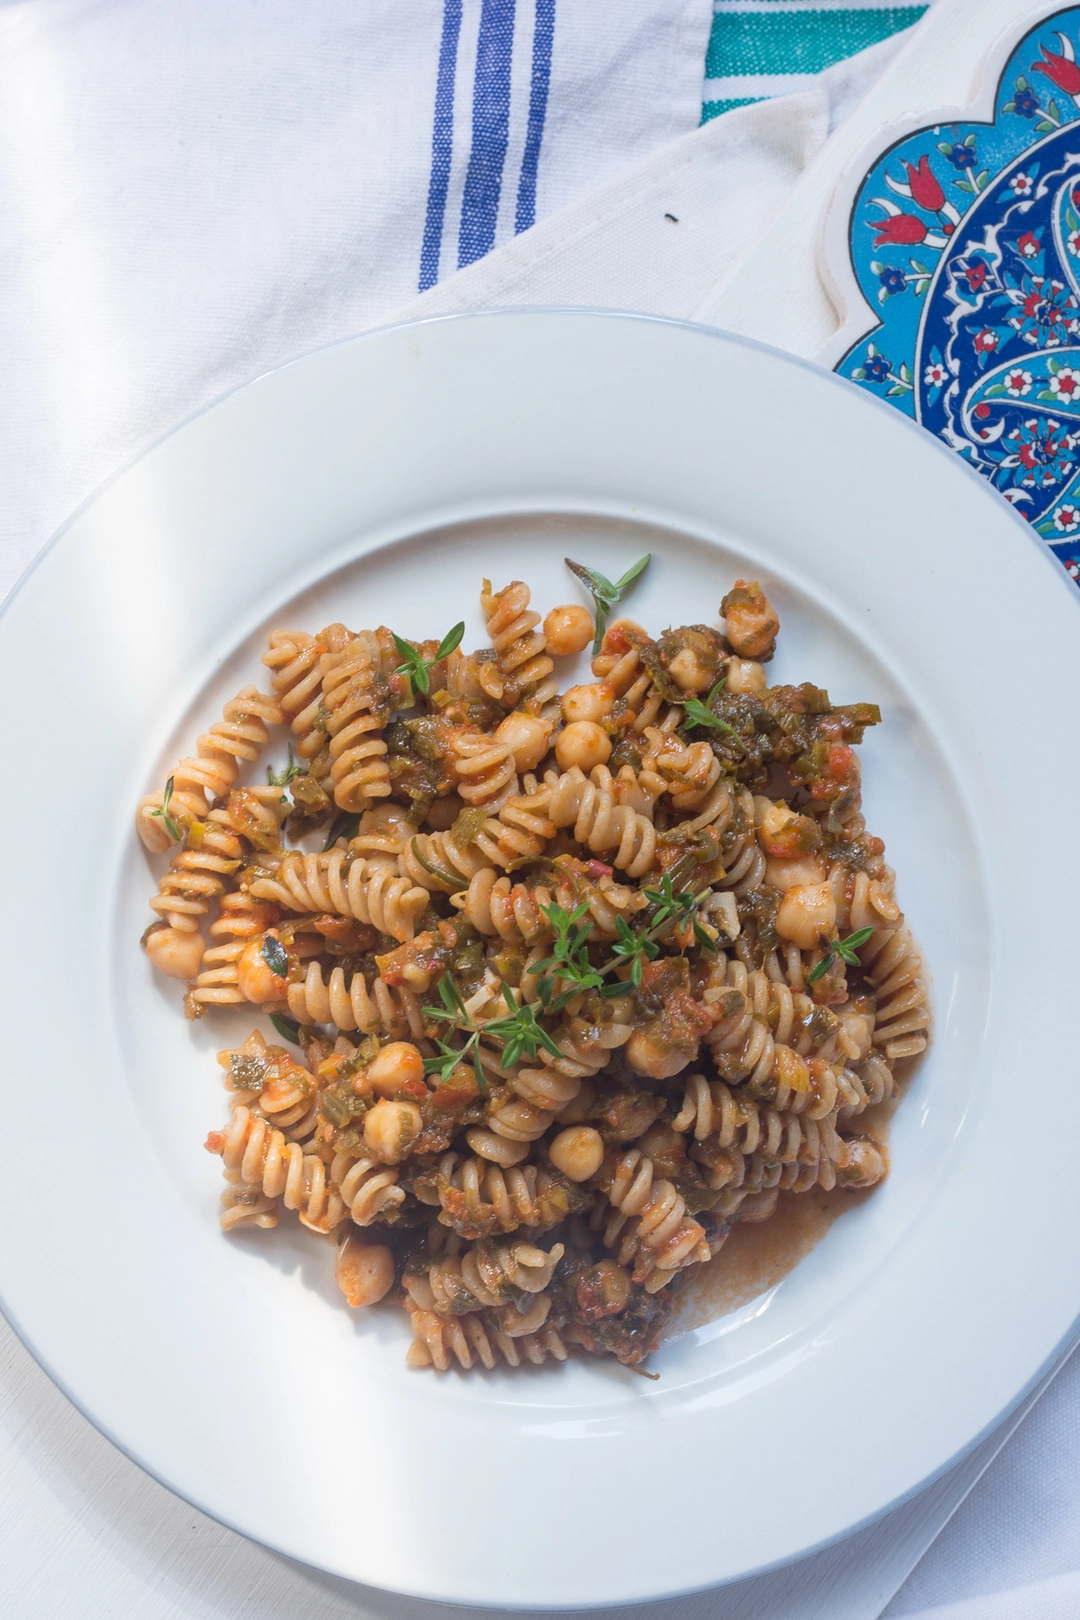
(490,131)
(543,39)
(442,145)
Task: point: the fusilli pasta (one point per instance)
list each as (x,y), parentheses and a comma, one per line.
(579,982)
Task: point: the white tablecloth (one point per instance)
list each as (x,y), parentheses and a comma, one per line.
(188,198)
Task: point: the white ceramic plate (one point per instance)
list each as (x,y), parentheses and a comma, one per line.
(380,480)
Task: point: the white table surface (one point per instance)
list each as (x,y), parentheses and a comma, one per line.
(84,1533)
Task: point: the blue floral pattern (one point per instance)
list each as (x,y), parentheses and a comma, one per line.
(967,241)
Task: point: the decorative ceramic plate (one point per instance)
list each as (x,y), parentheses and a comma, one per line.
(956,254)
(380,480)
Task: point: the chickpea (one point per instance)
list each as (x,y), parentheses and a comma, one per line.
(865,1164)
(390,1127)
(591,702)
(773,823)
(658,1059)
(364,1271)
(689,673)
(176,953)
(395,1066)
(751,620)
(568,630)
(603,1290)
(807,915)
(497,1149)
(745,675)
(578,1152)
(515,1324)
(528,738)
(784,875)
(254,975)
(584,744)
(665,1147)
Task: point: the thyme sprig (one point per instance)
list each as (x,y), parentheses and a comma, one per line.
(455,1013)
(846,949)
(284,777)
(604,594)
(701,714)
(170,825)
(418,669)
(521,1032)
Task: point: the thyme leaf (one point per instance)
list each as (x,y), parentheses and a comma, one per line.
(604,594)
(846,949)
(170,825)
(417,668)
(284,777)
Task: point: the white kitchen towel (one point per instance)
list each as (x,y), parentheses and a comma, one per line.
(192,193)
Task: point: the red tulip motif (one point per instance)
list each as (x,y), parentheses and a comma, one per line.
(924,185)
(1061,67)
(902,228)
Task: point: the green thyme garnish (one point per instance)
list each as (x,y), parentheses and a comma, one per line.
(701,714)
(521,1033)
(604,594)
(287,1028)
(845,948)
(283,778)
(343,826)
(170,825)
(419,669)
(455,1013)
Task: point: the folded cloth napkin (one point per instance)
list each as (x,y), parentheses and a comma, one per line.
(192,193)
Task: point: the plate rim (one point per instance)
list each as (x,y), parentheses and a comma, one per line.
(486,317)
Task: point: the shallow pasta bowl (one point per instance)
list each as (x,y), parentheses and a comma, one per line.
(380,481)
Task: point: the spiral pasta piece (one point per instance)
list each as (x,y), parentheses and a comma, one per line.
(241,734)
(367,1189)
(440,1340)
(295,661)
(347,886)
(754,1148)
(427,855)
(353,1003)
(484,770)
(240,918)
(355,697)
(478,1197)
(505,910)
(648,1221)
(588,805)
(619,662)
(262,1167)
(893,965)
(688,770)
(520,647)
